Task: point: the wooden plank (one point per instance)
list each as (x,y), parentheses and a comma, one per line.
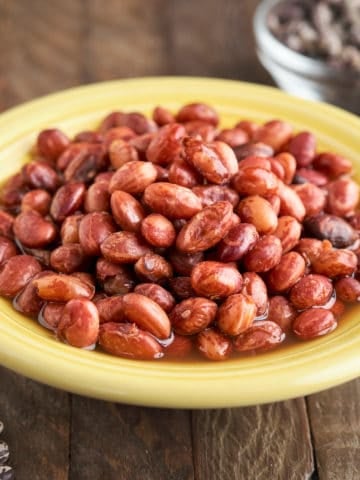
(36,420)
(126,39)
(214,39)
(263,442)
(116,442)
(41,48)
(335,425)
(7,97)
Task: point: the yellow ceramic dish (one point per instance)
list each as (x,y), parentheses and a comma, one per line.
(288,372)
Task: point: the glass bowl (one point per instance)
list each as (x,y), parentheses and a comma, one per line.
(301,75)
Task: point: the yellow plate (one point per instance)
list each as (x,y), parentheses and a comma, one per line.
(280,374)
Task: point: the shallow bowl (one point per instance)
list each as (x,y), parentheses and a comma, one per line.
(290,371)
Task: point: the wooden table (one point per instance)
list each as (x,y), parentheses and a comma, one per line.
(48,45)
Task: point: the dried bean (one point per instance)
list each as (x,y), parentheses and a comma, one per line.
(4,452)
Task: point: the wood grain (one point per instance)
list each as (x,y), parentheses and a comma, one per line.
(335,425)
(41,48)
(36,419)
(125,39)
(214,38)
(119,442)
(264,442)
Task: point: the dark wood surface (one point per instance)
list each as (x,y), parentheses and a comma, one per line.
(46,45)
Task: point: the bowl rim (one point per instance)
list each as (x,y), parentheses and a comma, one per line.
(289,59)
(26,349)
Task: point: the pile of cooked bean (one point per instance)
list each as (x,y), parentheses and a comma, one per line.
(162,237)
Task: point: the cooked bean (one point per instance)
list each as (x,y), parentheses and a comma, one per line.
(94,228)
(213,345)
(258,211)
(348,289)
(172,201)
(147,314)
(67,200)
(79,323)
(193,315)
(236,314)
(281,312)
(288,230)
(165,145)
(215,279)
(127,211)
(128,340)
(311,290)
(206,228)
(332,228)
(215,161)
(158,294)
(16,272)
(123,247)
(7,249)
(255,287)
(261,335)
(275,133)
(167,236)
(265,254)
(288,271)
(153,268)
(158,230)
(238,241)
(313,323)
(33,230)
(334,263)
(62,288)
